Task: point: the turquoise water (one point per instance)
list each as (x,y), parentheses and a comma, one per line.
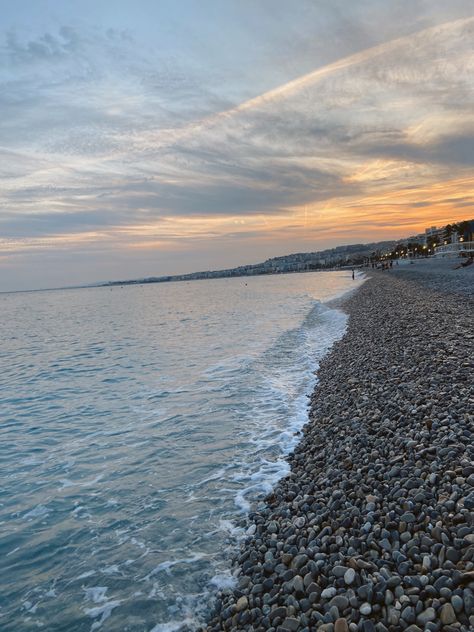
(138,424)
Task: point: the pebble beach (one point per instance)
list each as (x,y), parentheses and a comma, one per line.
(372,530)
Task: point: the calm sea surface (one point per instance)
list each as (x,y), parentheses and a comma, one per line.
(137,425)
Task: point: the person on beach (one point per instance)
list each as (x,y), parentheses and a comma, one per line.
(353,274)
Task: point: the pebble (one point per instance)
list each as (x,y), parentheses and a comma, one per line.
(341,625)
(427,615)
(408,517)
(291,624)
(457,603)
(370,531)
(340,601)
(241,604)
(447,614)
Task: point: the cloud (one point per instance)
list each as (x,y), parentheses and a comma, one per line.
(106,141)
(44,224)
(69,43)
(448,150)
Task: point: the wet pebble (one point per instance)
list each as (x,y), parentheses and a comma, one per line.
(371,530)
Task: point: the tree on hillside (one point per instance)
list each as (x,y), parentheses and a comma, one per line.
(463,229)
(414,248)
(432,241)
(448,233)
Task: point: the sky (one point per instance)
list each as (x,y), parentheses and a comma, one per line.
(151,137)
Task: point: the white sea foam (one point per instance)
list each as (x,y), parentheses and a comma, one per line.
(40,511)
(96,593)
(241,502)
(66,482)
(264,480)
(12,551)
(212,477)
(224,581)
(228,527)
(113,569)
(103,612)
(169,564)
(175,626)
(86,575)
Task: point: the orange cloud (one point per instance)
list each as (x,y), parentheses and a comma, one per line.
(391,212)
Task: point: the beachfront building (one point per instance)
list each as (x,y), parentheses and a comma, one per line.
(451,233)
(434,235)
(458,239)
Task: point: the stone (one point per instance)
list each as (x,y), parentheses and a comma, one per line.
(408,614)
(292,624)
(447,614)
(453,555)
(242,604)
(457,603)
(298,585)
(365,592)
(469,501)
(408,517)
(341,625)
(370,529)
(299,561)
(328,593)
(425,616)
(340,601)
(393,616)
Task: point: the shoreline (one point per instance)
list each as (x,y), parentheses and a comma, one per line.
(371,529)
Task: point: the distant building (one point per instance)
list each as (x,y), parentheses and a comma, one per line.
(434,234)
(415,239)
(454,239)
(451,233)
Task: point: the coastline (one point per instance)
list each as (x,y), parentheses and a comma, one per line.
(371,530)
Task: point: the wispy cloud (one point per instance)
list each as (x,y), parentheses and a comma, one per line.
(104,141)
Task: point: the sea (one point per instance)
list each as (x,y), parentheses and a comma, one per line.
(139,424)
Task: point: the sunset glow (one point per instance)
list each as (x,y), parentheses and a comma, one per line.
(123,157)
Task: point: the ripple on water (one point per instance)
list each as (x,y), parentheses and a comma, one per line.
(139,427)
